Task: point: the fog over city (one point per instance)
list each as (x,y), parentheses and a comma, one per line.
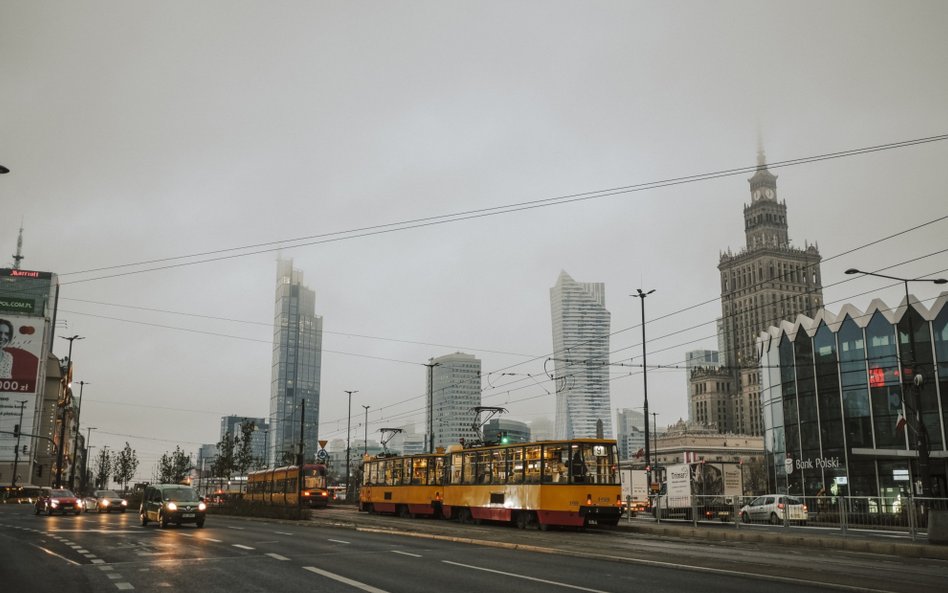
(432,167)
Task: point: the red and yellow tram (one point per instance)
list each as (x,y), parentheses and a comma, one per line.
(280,486)
(568,483)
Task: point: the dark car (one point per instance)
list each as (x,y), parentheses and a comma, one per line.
(107,501)
(172,503)
(57,500)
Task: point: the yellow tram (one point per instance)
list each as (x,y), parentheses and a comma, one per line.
(279,486)
(567,483)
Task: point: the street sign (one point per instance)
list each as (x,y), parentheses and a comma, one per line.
(322,444)
(322,454)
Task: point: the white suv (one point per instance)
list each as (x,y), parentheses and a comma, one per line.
(771,508)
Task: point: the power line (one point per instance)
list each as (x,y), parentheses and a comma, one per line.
(362,232)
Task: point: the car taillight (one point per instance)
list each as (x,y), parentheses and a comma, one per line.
(589,499)
(780,505)
(804,508)
(438,496)
(618,500)
(305,492)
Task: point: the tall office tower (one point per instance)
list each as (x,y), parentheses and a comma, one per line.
(258,438)
(766,282)
(297,362)
(454,385)
(630,432)
(698,359)
(581,357)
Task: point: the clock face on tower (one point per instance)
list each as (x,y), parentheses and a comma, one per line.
(769,193)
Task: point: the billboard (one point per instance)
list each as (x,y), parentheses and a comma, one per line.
(21,346)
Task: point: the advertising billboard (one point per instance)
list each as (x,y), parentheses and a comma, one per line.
(21,346)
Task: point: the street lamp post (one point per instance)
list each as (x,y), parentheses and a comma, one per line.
(62,428)
(431,366)
(349,434)
(921,432)
(641,294)
(75,444)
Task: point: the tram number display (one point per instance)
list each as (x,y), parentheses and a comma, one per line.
(600,451)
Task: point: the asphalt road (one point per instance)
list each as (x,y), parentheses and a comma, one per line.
(344,551)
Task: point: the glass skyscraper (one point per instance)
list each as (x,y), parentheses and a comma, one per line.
(297,363)
(581,358)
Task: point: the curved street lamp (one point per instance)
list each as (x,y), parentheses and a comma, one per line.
(921,432)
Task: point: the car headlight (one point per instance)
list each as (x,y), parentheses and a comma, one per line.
(105,503)
(172,506)
(124,503)
(54,503)
(202,506)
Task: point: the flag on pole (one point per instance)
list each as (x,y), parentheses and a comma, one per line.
(900,424)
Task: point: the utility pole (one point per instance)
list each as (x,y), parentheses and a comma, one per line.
(365,443)
(67,397)
(431,366)
(648,459)
(348,435)
(16,451)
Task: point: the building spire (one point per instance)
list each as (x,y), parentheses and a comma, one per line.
(19,249)
(761,157)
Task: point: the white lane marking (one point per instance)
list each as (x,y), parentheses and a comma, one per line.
(343,579)
(237,528)
(277,556)
(242,547)
(282,533)
(98,561)
(520,576)
(406,553)
(124,586)
(114,576)
(338,541)
(52,553)
(82,550)
(216,541)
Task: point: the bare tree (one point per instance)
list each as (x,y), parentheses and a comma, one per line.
(124,466)
(103,468)
(243,453)
(174,468)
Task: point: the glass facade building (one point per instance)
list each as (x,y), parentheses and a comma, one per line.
(297,364)
(840,400)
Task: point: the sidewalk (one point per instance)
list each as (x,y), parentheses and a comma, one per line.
(805,537)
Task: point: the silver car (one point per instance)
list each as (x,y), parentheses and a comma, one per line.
(108,501)
(771,508)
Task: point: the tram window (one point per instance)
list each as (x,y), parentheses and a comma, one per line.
(554,463)
(398,468)
(406,471)
(436,472)
(517,466)
(578,467)
(468,473)
(388,474)
(456,468)
(419,472)
(485,466)
(532,469)
(500,465)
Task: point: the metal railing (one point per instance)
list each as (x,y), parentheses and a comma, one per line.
(906,515)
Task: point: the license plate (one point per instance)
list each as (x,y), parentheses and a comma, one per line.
(187,515)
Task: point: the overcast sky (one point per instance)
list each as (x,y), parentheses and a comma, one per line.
(139,131)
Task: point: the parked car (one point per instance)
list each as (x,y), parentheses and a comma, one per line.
(57,500)
(108,501)
(771,508)
(172,503)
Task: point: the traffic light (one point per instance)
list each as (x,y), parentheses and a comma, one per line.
(504,439)
(16,430)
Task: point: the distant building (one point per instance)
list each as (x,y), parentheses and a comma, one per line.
(768,281)
(688,442)
(630,432)
(297,367)
(581,358)
(541,429)
(455,389)
(258,440)
(30,381)
(695,359)
(514,430)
